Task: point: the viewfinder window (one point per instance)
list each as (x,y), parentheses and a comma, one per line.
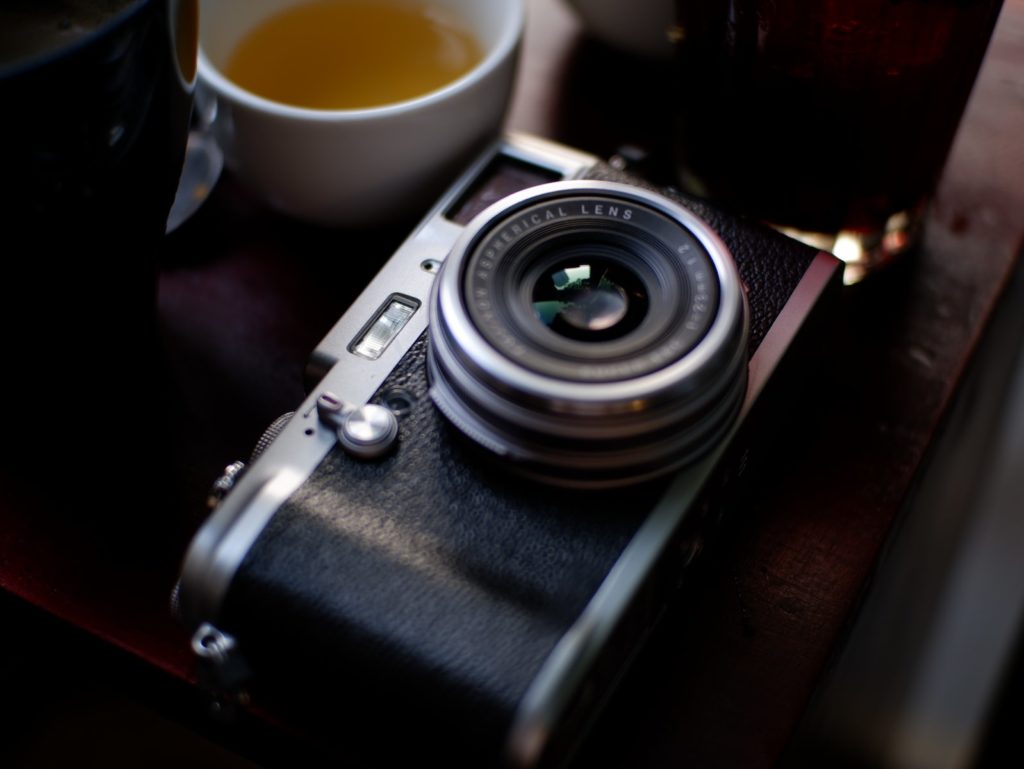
(389,321)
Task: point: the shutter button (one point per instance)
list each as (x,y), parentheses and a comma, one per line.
(365,432)
(368,431)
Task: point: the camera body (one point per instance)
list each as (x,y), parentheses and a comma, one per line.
(515,441)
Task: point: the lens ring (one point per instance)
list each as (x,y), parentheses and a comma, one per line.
(666,257)
(622,424)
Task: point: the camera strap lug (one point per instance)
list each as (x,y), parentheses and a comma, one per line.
(221,669)
(224,484)
(632,159)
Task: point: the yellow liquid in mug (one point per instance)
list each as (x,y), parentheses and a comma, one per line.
(351,55)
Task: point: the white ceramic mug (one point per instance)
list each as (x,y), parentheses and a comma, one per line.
(358,167)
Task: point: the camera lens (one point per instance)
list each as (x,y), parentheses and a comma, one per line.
(587,289)
(594,333)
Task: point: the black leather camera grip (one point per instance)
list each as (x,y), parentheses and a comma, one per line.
(414,599)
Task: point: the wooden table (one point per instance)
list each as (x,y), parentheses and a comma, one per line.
(244,296)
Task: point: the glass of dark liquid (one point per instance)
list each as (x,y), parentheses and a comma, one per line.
(830,119)
(96,99)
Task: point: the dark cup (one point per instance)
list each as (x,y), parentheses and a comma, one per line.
(96,99)
(826,117)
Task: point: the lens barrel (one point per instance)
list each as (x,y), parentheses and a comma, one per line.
(594,333)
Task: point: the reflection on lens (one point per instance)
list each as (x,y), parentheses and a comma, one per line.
(590,301)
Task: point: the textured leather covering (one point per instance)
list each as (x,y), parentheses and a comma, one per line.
(420,594)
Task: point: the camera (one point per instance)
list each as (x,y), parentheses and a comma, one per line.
(514,443)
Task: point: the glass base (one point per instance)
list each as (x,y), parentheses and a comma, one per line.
(866,252)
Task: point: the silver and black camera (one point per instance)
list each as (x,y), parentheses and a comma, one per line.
(514,442)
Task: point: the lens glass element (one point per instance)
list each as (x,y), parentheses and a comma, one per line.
(590,300)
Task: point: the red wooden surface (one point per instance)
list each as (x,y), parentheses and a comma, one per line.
(245,295)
